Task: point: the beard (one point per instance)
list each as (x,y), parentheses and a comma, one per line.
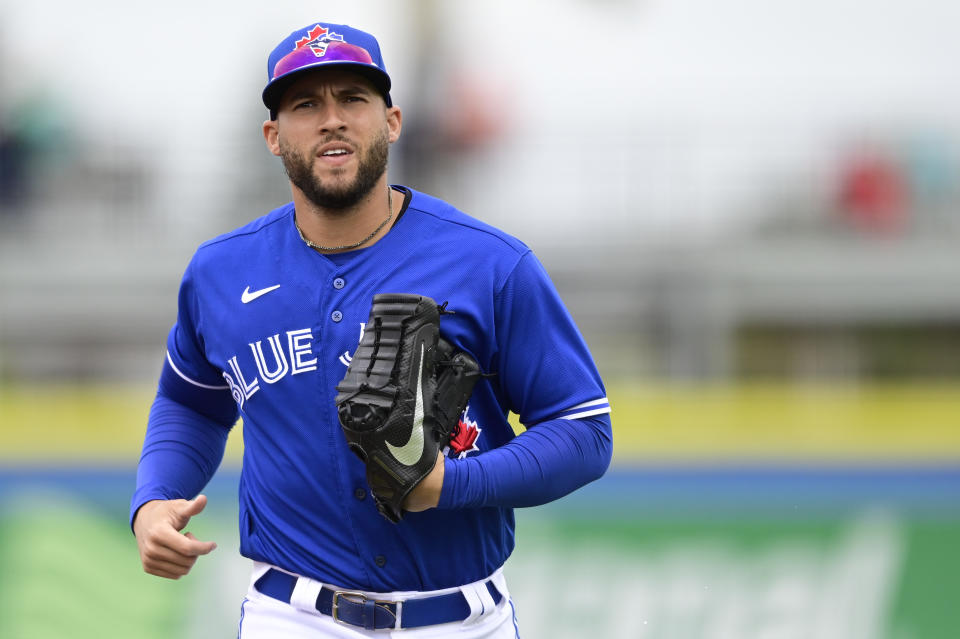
(337,195)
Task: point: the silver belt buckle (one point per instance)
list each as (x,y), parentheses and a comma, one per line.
(360,598)
(354,597)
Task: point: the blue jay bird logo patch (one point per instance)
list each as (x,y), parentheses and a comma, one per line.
(317,40)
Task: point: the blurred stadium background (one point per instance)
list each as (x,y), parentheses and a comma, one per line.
(751,207)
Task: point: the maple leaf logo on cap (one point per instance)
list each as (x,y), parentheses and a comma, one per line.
(317,39)
(313,34)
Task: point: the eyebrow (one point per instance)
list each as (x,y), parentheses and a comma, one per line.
(355,88)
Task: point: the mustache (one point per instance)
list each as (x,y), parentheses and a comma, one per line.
(284,145)
(334,138)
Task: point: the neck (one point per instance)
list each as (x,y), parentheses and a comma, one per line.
(340,229)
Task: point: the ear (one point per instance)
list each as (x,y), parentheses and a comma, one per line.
(394,123)
(271,134)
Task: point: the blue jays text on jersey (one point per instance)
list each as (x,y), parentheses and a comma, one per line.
(276,366)
(265,329)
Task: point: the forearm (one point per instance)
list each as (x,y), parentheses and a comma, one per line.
(540,465)
(181,451)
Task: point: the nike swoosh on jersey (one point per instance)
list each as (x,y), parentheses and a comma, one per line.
(410,453)
(249,296)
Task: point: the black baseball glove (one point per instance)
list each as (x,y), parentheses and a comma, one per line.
(402,395)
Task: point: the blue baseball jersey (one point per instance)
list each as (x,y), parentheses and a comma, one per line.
(266,328)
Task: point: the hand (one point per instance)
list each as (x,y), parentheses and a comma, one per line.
(165,552)
(426,494)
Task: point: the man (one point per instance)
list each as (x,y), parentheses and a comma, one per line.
(268,322)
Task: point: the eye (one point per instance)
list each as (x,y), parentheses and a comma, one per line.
(305,104)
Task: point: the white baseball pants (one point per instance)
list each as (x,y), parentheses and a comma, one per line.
(263,617)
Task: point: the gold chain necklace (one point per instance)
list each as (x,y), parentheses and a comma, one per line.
(346,247)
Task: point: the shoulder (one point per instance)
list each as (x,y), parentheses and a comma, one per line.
(266,224)
(455,225)
(246,240)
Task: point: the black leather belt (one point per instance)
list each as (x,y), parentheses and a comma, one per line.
(357,609)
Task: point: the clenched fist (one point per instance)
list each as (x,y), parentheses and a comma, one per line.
(164,551)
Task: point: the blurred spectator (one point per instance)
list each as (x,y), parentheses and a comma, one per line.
(873,192)
(13,171)
(35,140)
(931,165)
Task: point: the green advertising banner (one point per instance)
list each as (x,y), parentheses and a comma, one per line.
(640,554)
(870,574)
(731,512)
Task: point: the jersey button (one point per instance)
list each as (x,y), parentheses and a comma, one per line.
(360,494)
(339,283)
(336,316)
(380,560)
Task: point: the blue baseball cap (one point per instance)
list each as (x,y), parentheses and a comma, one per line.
(324,45)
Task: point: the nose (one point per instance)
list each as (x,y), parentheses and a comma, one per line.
(332,118)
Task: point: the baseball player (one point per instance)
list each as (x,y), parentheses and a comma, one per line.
(373,339)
